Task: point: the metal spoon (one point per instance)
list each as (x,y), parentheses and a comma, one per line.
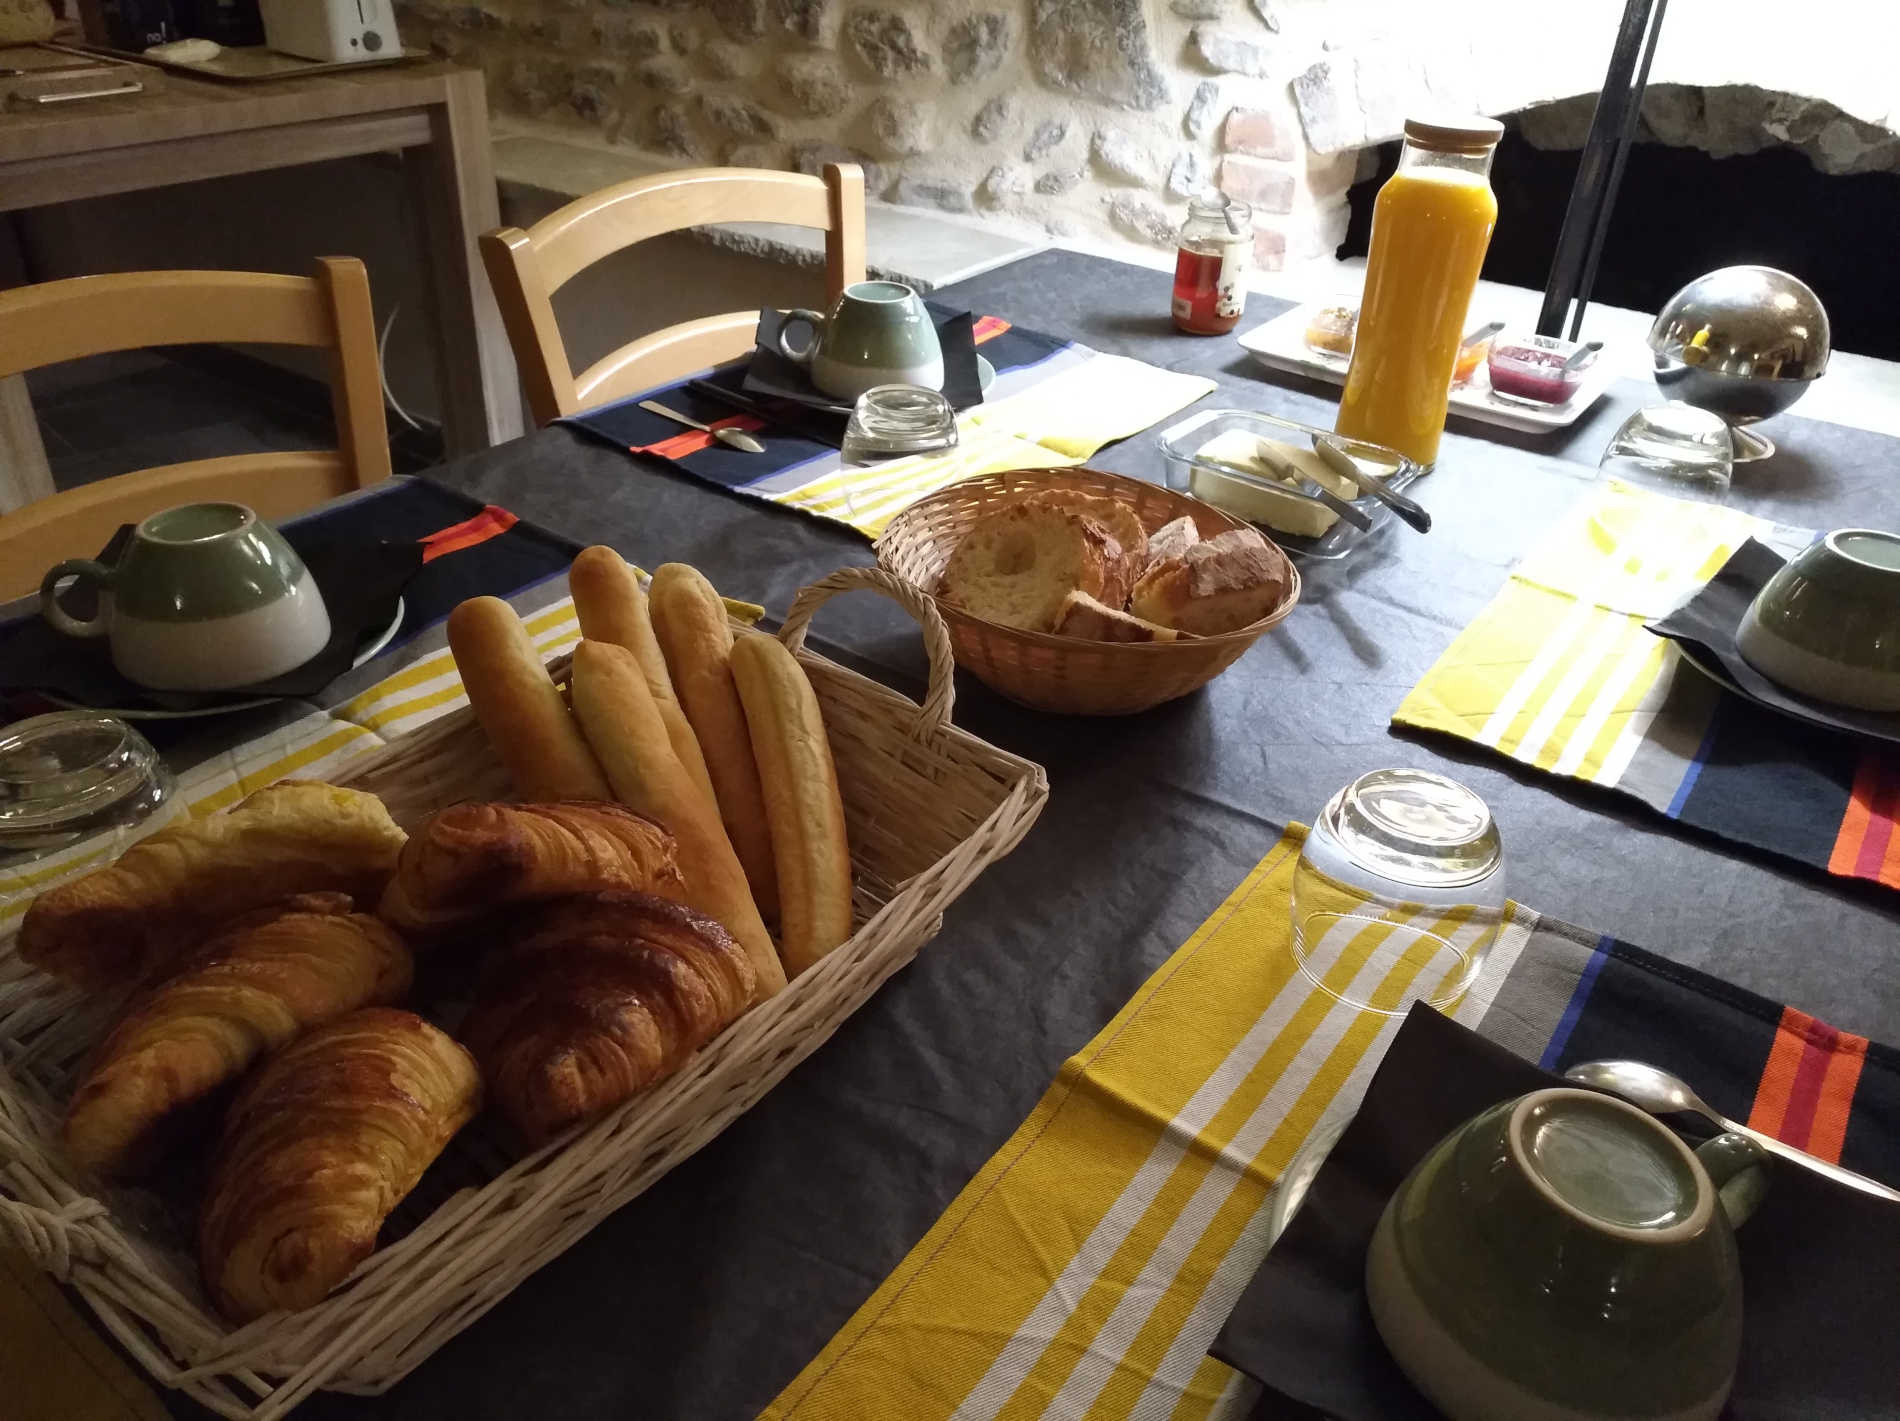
(1580,356)
(731,438)
(1660,1093)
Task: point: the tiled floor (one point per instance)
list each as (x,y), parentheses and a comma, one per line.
(111,414)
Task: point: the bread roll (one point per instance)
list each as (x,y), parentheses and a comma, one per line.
(801,800)
(1172,540)
(613,607)
(1083,616)
(519,706)
(616,710)
(690,622)
(1220,585)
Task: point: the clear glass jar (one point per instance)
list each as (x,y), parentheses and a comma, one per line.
(1431,226)
(1216,241)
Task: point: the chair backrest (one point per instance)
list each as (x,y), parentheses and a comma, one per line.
(527,268)
(93,315)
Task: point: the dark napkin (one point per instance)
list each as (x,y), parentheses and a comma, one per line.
(360,585)
(771,374)
(1821,1327)
(1707,626)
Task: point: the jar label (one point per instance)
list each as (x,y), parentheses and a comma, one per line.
(1228,297)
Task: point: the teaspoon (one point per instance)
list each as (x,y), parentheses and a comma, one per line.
(1660,1093)
(732,438)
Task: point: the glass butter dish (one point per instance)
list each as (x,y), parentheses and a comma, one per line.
(1268,469)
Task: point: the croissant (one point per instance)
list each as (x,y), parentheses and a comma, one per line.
(471,858)
(255,986)
(324,1141)
(607,994)
(138,917)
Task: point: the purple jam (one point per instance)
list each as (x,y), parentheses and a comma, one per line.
(1527,372)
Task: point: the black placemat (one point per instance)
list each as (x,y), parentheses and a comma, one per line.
(1707,624)
(1821,1329)
(360,582)
(771,375)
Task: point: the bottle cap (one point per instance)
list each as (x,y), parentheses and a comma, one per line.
(1456,134)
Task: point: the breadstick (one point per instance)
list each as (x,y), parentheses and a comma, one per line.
(613,607)
(519,707)
(801,800)
(622,723)
(690,622)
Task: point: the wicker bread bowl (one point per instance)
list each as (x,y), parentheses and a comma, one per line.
(1069,675)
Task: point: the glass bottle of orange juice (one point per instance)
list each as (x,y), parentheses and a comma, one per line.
(1431,224)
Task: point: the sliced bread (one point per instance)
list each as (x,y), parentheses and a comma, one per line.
(1120,521)
(1218,585)
(1083,616)
(1016,566)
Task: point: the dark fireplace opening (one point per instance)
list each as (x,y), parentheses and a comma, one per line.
(1681,212)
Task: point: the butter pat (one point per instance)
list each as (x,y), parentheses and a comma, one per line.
(1283,512)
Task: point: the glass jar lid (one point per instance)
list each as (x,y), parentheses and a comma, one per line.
(1457,133)
(57,770)
(1416,827)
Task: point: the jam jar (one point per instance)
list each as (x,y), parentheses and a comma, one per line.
(1211,265)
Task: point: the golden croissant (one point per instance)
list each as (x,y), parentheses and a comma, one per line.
(253,988)
(140,916)
(319,1146)
(609,993)
(469,859)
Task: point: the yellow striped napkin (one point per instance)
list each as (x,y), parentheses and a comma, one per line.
(1085,1269)
(1055,423)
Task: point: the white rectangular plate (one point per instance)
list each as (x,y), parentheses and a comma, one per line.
(1281,343)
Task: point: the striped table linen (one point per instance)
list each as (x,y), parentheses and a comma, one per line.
(1054,403)
(1558,672)
(1086,1268)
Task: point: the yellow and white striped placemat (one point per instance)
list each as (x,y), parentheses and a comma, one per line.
(1086,1268)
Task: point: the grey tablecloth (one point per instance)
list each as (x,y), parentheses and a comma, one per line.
(705,1296)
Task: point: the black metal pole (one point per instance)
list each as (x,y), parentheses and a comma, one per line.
(1587,194)
(1601,229)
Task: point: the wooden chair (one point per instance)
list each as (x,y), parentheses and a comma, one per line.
(527,268)
(91,315)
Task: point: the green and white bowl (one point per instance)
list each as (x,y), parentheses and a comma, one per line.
(1565,1257)
(1828,624)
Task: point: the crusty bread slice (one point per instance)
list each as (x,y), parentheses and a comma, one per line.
(1171,540)
(1219,585)
(1120,521)
(1016,565)
(1083,616)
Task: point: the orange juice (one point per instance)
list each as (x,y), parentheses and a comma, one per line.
(1431,224)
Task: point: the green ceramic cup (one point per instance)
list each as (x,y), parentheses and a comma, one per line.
(1565,1257)
(205,597)
(878,333)
(1828,623)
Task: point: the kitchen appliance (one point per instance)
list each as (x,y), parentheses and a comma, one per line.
(129,24)
(331,31)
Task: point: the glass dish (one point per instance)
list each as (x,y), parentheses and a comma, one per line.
(1312,530)
(1330,329)
(1399,892)
(1675,448)
(892,421)
(1529,370)
(72,775)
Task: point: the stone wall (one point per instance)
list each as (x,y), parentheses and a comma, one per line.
(1076,117)
(1099,117)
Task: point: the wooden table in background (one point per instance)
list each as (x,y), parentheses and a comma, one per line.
(435,115)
